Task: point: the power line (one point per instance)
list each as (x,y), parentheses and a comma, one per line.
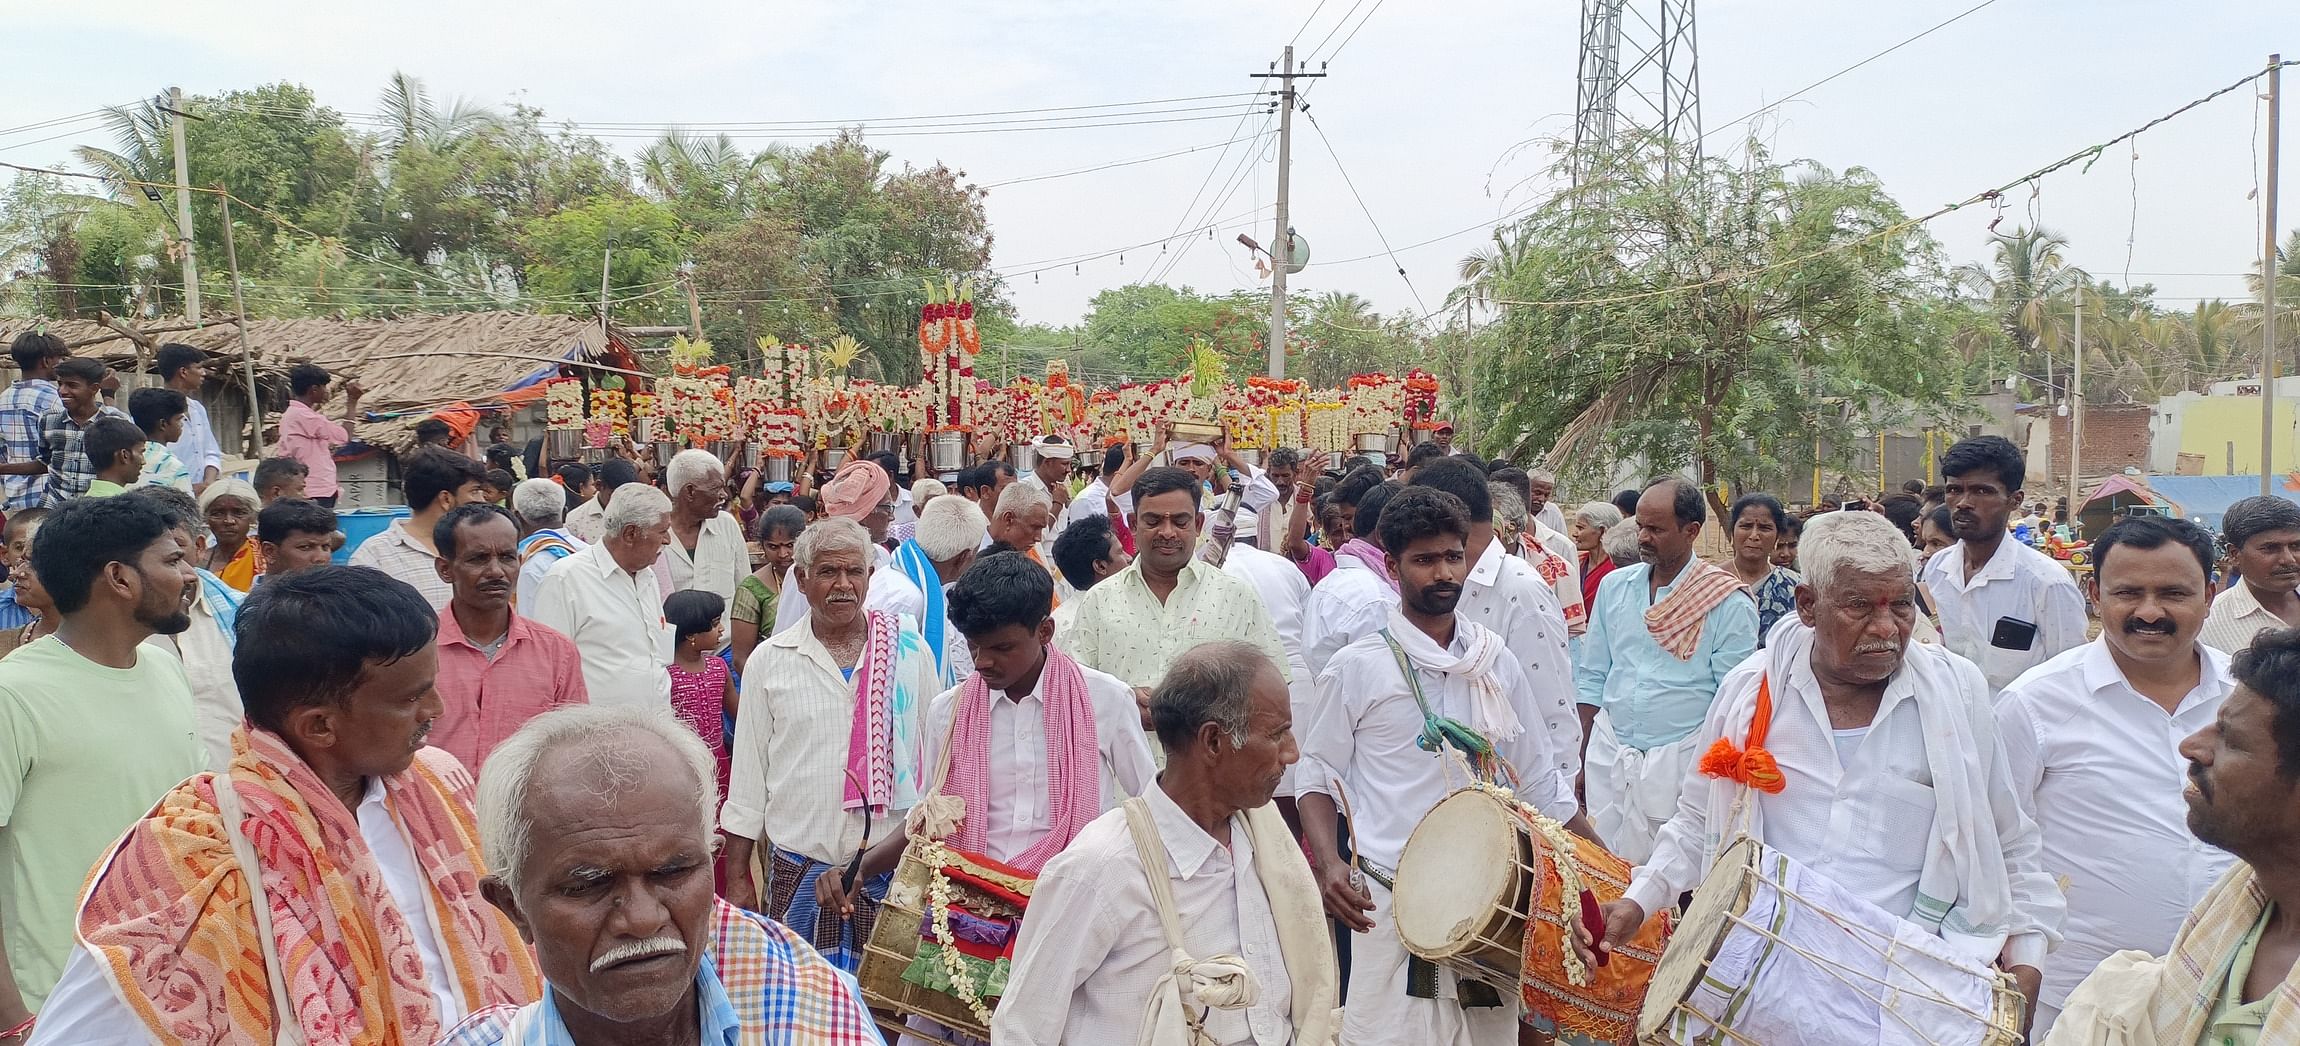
(1785,99)
(1354,32)
(1369,213)
(1117,163)
(1306,23)
(1192,206)
(1344,20)
(1006,116)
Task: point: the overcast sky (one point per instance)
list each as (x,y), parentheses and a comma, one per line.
(1423,107)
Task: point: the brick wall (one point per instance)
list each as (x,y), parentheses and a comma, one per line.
(2115,437)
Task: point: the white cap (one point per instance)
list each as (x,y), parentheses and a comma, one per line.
(1186,451)
(1053,447)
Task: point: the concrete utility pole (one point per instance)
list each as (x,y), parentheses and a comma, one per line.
(2076,415)
(184,205)
(2268,289)
(1282,245)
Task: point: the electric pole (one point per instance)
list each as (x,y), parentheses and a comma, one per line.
(2076,414)
(184,206)
(2268,285)
(1282,245)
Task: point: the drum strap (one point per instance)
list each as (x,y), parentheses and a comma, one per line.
(1439,731)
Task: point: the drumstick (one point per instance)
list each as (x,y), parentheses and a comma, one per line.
(1357,868)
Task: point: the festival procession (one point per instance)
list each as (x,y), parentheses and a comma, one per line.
(483,575)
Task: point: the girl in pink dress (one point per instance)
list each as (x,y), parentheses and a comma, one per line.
(702,692)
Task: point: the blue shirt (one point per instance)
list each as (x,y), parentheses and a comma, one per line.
(721,1026)
(1653,698)
(13,616)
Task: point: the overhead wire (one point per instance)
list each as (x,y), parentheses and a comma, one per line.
(1113,164)
(1297,38)
(1791,96)
(1368,211)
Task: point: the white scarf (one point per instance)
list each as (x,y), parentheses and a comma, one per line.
(1964,891)
(1490,712)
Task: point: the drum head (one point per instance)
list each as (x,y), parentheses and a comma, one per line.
(1722,894)
(1453,873)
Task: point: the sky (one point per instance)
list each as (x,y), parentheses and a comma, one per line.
(1435,112)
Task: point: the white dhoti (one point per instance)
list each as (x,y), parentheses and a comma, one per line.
(1380,1013)
(1633,792)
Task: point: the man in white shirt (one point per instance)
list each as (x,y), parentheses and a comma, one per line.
(800,793)
(1507,596)
(1095,963)
(1354,601)
(1365,735)
(1093,499)
(543,541)
(2093,741)
(2263,536)
(1871,734)
(606,599)
(184,368)
(1050,473)
(706,550)
(860,492)
(1030,745)
(941,547)
(1285,592)
(2003,605)
(588,520)
(435,481)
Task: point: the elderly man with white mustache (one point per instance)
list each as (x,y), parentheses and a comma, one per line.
(1891,781)
(596,821)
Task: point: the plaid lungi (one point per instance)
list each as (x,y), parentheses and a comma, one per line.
(791,901)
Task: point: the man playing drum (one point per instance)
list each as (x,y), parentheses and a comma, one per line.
(1368,733)
(1038,745)
(1875,763)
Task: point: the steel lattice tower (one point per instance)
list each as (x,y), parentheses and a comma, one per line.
(1640,75)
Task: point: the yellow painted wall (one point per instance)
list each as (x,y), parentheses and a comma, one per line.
(2209,424)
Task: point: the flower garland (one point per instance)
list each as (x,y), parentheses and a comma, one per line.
(938,892)
(607,405)
(563,404)
(1375,402)
(1420,408)
(1325,424)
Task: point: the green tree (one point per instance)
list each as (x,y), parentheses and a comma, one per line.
(1339,334)
(2030,286)
(1721,317)
(1147,329)
(565,252)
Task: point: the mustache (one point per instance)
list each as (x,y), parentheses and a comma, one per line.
(647,949)
(1877,647)
(2137,627)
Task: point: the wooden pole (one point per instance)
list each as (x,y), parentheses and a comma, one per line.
(694,309)
(2076,415)
(2268,290)
(184,206)
(247,355)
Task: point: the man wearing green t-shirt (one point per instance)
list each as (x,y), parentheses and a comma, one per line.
(94,728)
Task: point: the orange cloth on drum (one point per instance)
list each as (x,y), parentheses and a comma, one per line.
(1606,1008)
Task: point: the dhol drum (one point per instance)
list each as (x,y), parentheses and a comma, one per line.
(1772,953)
(1489,891)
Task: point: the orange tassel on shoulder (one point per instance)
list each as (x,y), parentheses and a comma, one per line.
(1752,766)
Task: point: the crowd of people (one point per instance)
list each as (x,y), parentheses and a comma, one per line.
(601,754)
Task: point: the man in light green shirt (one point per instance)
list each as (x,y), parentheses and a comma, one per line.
(94,727)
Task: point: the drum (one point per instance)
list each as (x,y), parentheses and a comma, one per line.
(1771,952)
(1482,891)
(944,941)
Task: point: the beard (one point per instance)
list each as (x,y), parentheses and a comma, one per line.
(174,621)
(1433,600)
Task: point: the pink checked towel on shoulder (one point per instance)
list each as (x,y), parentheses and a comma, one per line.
(1374,559)
(1071,750)
(1676,621)
(870,744)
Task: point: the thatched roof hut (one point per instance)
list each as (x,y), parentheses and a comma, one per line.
(410,365)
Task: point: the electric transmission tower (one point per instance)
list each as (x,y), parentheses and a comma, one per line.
(1640,78)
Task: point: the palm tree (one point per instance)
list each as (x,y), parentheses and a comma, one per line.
(411,118)
(2029,284)
(712,173)
(2287,264)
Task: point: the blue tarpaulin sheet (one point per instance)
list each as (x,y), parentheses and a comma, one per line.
(2204,498)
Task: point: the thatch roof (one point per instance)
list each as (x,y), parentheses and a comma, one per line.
(412,363)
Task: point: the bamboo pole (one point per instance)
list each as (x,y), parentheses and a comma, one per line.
(247,355)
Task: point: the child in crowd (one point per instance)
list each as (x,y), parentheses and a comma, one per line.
(702,692)
(115,448)
(161,413)
(29,595)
